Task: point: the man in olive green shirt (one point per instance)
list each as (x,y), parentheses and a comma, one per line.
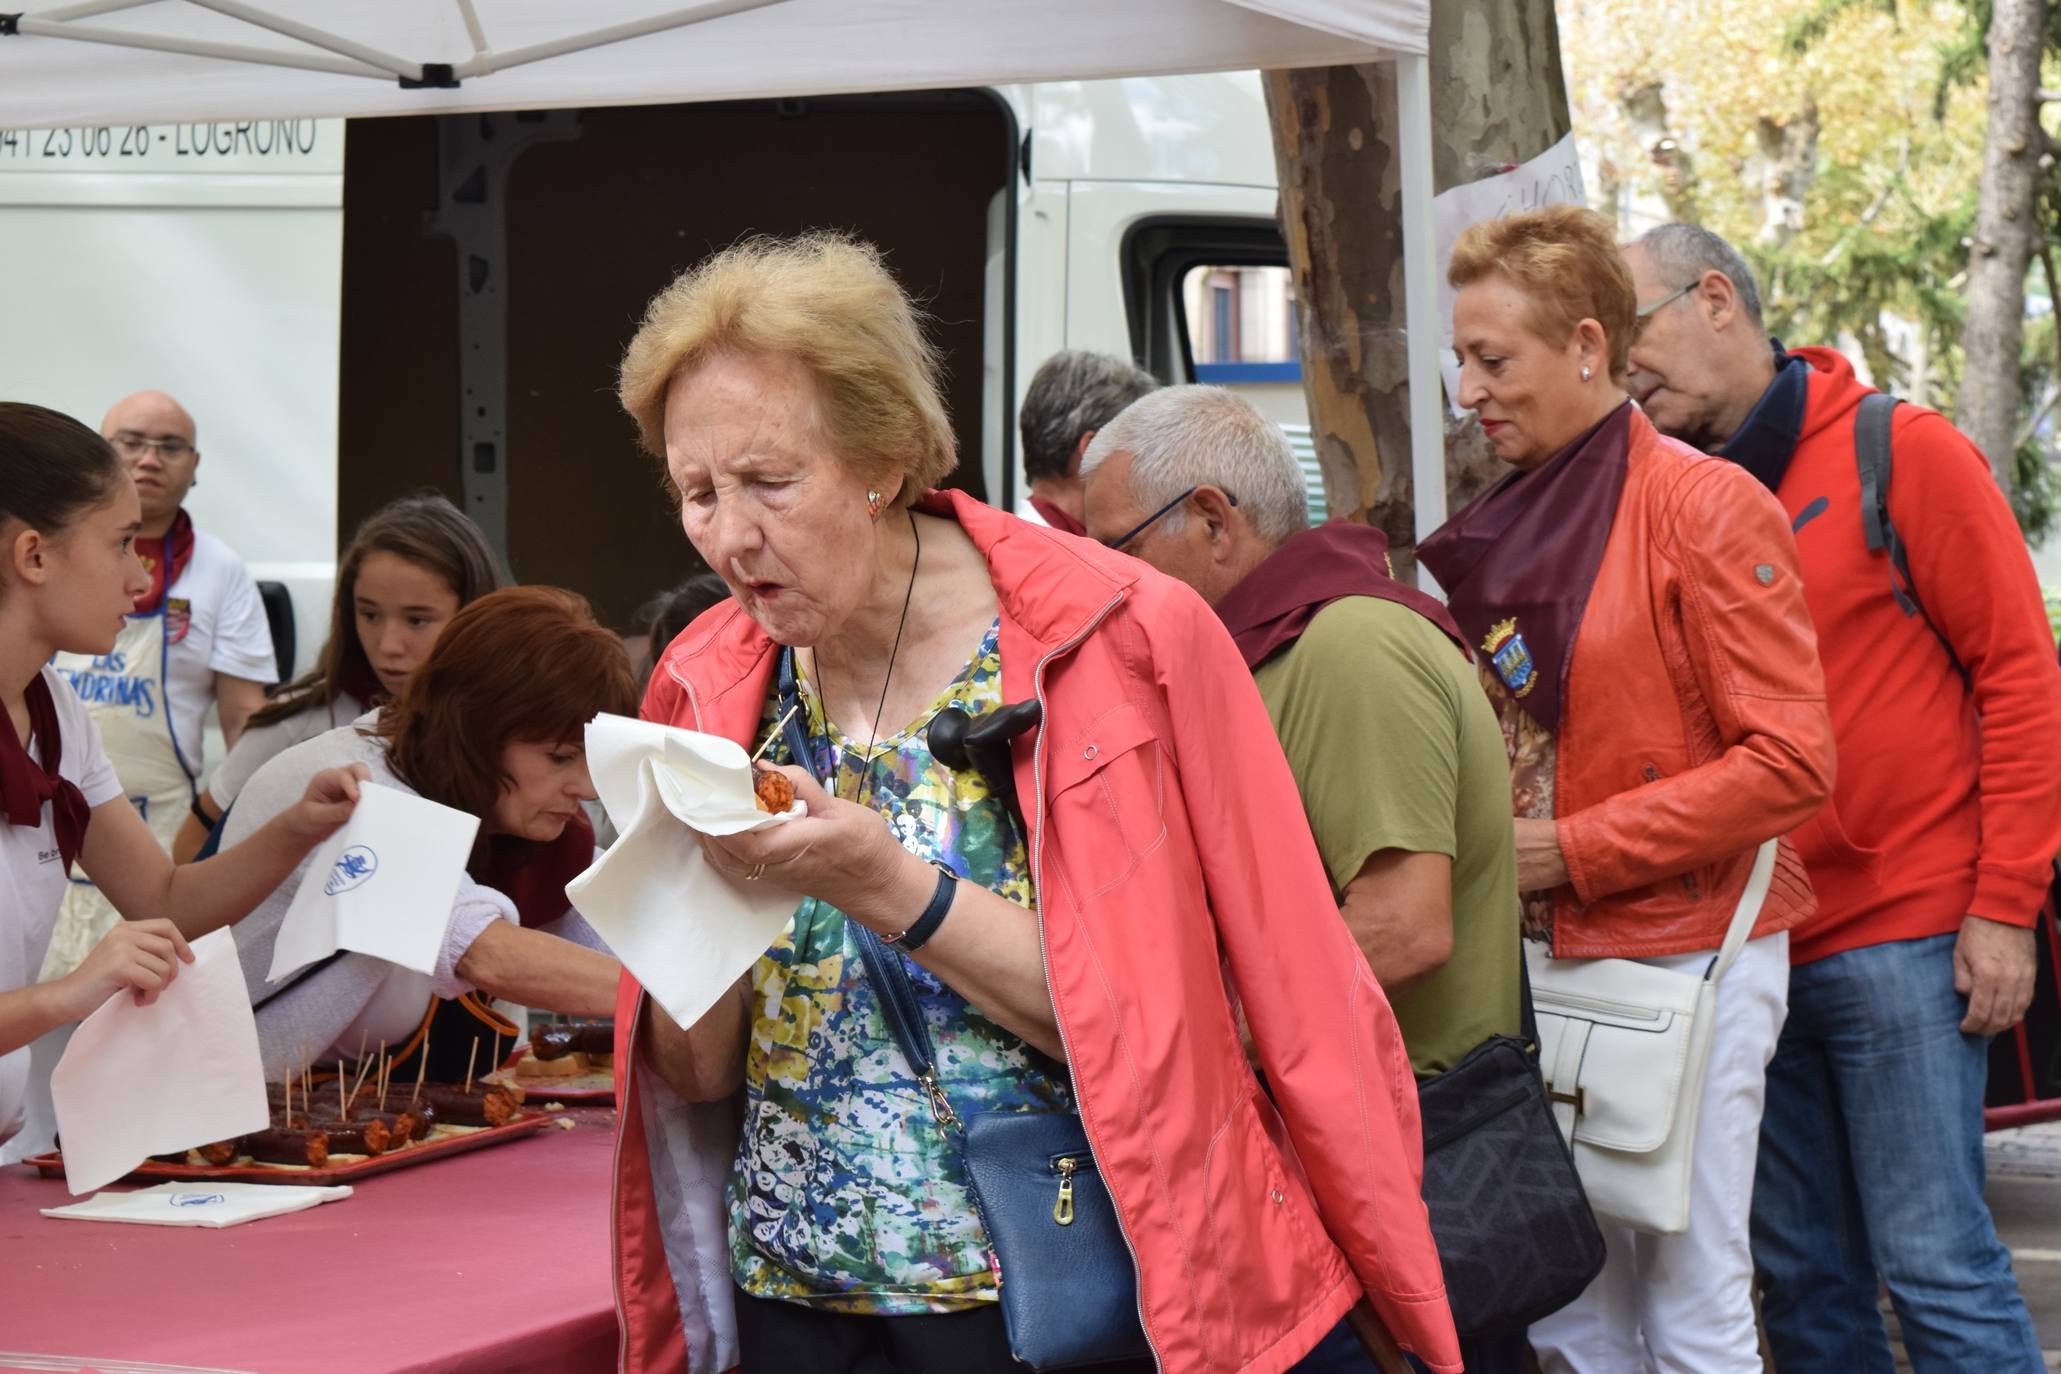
(1396,751)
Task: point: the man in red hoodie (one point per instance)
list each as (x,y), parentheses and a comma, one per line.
(1930,862)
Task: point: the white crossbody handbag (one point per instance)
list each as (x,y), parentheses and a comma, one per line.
(1624,1047)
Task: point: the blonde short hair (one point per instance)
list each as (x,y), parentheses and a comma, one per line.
(1565,259)
(826,300)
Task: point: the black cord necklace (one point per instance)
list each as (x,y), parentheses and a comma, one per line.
(873,735)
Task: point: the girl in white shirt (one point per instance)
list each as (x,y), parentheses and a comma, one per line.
(68,577)
(410,567)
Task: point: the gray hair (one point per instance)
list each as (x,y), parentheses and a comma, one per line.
(1075,391)
(1185,435)
(1684,252)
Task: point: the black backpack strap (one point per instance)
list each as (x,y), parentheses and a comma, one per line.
(1874,455)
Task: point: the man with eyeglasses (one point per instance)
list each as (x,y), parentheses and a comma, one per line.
(1395,749)
(197,638)
(1930,861)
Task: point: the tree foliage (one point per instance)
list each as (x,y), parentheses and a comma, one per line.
(1838,143)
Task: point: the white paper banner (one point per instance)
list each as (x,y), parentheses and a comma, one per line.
(181,1072)
(1554,177)
(382,885)
(683,929)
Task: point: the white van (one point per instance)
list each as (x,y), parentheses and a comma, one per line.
(356,311)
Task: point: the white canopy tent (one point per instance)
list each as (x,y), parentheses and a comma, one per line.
(144,61)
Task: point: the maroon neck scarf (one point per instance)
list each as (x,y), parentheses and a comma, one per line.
(1275,603)
(358,680)
(1518,564)
(533,874)
(165,559)
(1056,516)
(25,783)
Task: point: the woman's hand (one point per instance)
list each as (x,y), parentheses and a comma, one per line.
(331,797)
(1540,865)
(839,853)
(143,956)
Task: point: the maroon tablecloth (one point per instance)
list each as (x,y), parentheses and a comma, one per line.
(491,1261)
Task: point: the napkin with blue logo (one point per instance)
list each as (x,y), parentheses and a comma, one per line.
(382,885)
(212,1205)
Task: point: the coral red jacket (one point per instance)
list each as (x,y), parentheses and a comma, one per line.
(1948,804)
(1694,725)
(1172,862)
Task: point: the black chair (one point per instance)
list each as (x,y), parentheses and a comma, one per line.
(279,615)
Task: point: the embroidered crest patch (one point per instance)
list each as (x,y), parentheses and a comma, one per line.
(178,618)
(1511,657)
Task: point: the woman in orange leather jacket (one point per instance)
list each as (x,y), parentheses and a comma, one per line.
(1644,637)
(1167,878)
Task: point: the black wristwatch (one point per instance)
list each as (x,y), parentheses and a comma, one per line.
(923,927)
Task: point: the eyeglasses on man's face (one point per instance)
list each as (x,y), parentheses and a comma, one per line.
(1657,304)
(1149,521)
(131,444)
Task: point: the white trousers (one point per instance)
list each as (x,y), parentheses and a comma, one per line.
(1684,1304)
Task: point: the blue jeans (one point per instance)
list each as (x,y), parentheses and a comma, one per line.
(1871,1170)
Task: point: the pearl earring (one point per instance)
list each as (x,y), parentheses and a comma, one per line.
(1585,374)
(873,503)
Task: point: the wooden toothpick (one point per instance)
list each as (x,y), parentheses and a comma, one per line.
(386,1071)
(365,1067)
(774,733)
(421,1068)
(469,1058)
(343,1101)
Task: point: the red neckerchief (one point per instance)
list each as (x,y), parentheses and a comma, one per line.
(165,559)
(1057,516)
(533,874)
(358,681)
(26,784)
(1275,603)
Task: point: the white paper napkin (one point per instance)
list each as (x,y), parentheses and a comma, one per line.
(213,1205)
(685,930)
(382,885)
(141,1081)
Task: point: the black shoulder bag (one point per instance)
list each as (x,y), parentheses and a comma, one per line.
(1515,1233)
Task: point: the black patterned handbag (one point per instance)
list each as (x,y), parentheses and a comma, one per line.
(1514,1230)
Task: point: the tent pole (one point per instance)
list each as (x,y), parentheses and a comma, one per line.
(314,37)
(88,9)
(186,47)
(1420,301)
(477,34)
(487,62)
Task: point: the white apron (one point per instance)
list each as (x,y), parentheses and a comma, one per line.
(127,692)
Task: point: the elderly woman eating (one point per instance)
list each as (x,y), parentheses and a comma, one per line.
(1071,952)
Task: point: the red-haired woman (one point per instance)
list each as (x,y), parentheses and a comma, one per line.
(1645,640)
(493,725)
